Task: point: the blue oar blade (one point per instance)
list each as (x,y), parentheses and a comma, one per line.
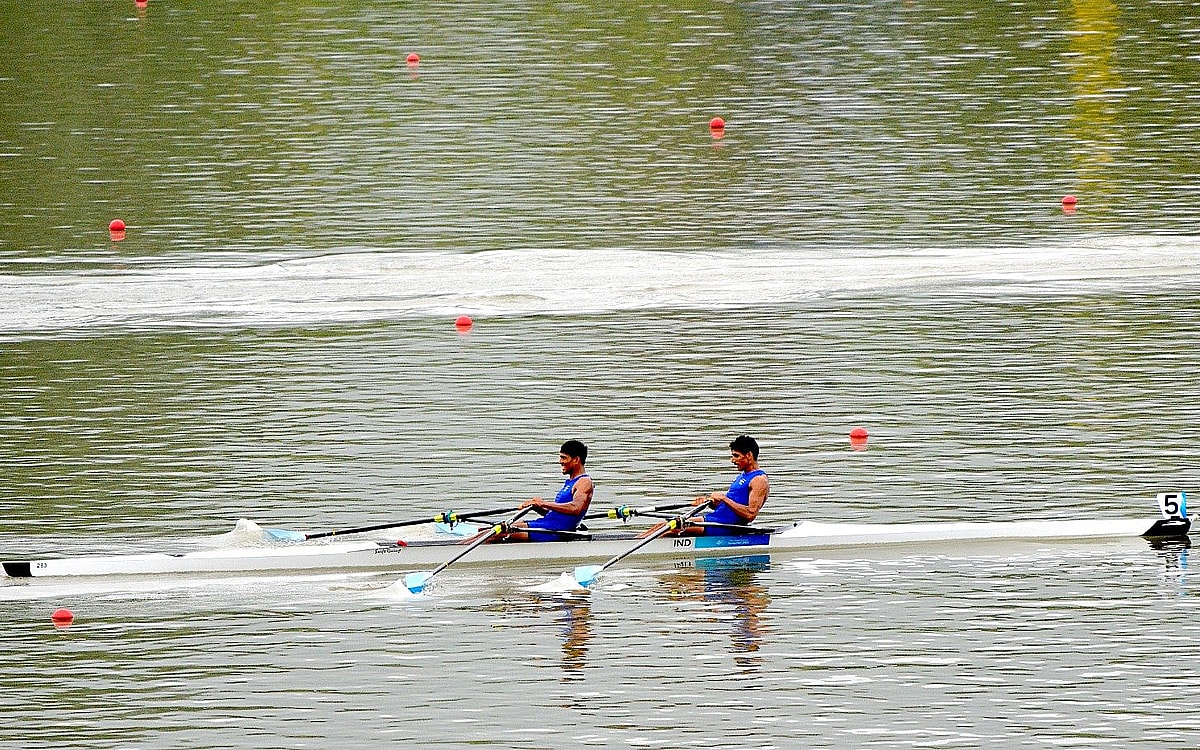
(458,529)
(285,535)
(585,575)
(415,582)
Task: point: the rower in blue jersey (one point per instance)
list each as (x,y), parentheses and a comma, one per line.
(739,505)
(566,511)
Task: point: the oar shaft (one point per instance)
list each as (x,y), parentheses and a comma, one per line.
(498,528)
(671,525)
(447,517)
(481,540)
(625,512)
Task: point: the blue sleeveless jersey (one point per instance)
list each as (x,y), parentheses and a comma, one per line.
(739,492)
(556,519)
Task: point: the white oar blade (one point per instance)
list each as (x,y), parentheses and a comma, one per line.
(415,582)
(585,575)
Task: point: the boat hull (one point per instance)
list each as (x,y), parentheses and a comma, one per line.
(380,556)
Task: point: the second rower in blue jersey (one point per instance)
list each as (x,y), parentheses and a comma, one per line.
(740,504)
(569,506)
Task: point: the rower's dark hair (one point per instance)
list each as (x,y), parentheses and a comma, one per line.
(575,449)
(744,444)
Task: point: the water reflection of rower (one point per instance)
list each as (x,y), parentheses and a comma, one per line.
(729,585)
(572,619)
(575,617)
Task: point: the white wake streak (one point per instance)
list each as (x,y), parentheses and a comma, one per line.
(372,286)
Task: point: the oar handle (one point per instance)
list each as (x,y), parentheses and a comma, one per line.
(446,517)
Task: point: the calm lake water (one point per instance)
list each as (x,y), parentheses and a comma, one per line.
(875,239)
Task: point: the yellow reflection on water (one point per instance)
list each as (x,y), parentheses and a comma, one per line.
(1096,86)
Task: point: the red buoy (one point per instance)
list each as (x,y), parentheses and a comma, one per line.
(1069,200)
(116,225)
(413,58)
(463,321)
(858,438)
(62,615)
(717,123)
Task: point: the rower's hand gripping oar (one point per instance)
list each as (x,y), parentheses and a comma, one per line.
(585,575)
(416,582)
(449,517)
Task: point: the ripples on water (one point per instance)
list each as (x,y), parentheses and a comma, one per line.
(989,407)
(1016,407)
(877,240)
(268,130)
(1003,647)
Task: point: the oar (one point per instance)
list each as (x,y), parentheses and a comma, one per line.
(416,582)
(585,575)
(626,512)
(449,517)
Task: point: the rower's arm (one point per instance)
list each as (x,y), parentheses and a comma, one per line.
(581,498)
(760,487)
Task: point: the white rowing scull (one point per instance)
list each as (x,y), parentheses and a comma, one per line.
(801,535)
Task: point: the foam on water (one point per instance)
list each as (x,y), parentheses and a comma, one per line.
(359,286)
(564,584)
(245,533)
(397,591)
